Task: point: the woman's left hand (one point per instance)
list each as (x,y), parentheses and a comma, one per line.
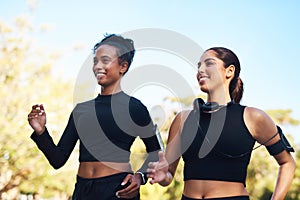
(132,190)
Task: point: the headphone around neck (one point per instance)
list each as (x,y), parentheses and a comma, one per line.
(209,106)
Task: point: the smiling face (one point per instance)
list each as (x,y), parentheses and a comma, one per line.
(212,74)
(107,69)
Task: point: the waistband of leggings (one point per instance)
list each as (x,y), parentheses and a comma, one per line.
(219,198)
(104,178)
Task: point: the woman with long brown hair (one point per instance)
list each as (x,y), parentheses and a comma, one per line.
(216,138)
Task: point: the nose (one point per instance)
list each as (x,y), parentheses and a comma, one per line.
(200,70)
(98,66)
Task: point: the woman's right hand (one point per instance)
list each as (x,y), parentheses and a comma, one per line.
(158,171)
(37,118)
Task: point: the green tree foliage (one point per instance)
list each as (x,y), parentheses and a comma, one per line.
(27,78)
(281,116)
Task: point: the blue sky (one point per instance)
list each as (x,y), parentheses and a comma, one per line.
(264,35)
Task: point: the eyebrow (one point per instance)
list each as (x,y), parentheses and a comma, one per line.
(208,59)
(105,57)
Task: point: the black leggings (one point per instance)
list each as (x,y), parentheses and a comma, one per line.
(103,188)
(219,198)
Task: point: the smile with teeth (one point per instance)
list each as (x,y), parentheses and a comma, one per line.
(99,74)
(202,78)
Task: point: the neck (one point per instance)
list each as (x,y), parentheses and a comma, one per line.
(221,97)
(110,90)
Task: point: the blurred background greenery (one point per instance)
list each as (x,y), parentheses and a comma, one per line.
(27,78)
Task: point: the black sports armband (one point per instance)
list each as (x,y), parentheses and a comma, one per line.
(280,145)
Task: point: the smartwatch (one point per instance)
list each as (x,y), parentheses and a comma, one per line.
(144,180)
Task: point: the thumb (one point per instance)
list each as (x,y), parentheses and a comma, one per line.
(42,109)
(161,156)
(126,179)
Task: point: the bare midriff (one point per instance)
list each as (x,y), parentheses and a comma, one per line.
(101,169)
(202,189)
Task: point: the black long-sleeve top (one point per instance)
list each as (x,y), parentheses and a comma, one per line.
(106,128)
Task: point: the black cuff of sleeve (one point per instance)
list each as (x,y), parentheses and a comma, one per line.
(37,138)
